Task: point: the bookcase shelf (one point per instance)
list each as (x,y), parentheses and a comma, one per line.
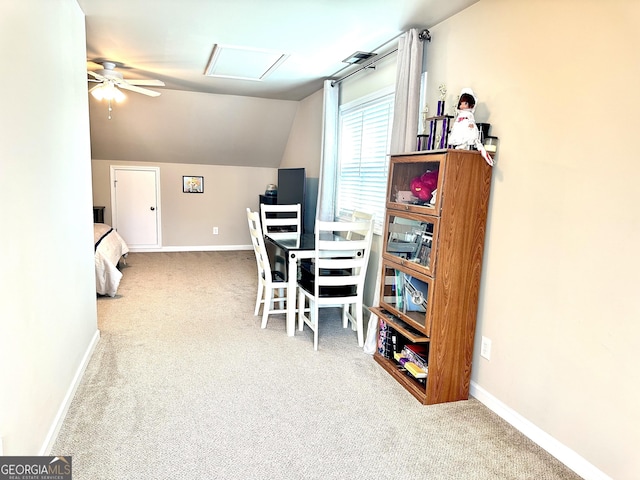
(397,324)
(432,263)
(414,387)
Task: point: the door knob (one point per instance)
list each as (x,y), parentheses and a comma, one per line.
(153,208)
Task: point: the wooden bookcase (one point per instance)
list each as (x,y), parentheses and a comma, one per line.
(432,261)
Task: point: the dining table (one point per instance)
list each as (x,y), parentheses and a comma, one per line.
(292,248)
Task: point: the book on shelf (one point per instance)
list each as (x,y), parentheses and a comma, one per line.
(388,340)
(417,354)
(383,334)
(421,349)
(424,256)
(415,370)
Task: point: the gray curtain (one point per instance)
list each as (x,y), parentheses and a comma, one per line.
(406,115)
(406,110)
(329,156)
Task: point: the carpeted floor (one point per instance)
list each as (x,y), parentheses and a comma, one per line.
(185,385)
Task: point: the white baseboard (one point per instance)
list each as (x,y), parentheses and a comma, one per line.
(560,451)
(66,403)
(203,248)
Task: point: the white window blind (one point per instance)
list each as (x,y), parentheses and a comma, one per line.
(363,163)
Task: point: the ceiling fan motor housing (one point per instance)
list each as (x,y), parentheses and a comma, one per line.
(109,72)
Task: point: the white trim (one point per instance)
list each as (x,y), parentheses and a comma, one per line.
(560,451)
(193,248)
(52,435)
(373,96)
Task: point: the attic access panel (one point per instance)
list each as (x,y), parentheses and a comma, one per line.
(242,63)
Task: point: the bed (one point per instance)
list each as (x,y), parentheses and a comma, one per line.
(109,249)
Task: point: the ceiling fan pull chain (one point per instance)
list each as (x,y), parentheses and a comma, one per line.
(110,109)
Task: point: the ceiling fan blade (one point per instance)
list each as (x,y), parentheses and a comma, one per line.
(146,83)
(133,88)
(95,75)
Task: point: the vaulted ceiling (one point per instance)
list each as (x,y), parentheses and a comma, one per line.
(173,40)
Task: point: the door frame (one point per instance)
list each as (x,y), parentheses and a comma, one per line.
(114,214)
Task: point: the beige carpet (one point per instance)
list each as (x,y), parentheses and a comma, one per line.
(185,385)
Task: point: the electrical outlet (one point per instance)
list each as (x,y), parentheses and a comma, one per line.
(215,230)
(485,348)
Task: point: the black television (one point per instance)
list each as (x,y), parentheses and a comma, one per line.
(291,188)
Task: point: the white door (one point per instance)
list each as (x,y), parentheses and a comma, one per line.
(135,205)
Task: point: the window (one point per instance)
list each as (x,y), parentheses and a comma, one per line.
(363,163)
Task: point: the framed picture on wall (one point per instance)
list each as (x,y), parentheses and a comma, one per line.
(193,184)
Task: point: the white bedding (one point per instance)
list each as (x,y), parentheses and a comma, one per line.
(109,248)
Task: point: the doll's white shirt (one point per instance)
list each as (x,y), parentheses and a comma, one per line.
(464,131)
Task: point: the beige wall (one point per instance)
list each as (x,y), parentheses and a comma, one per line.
(192,128)
(230,186)
(188,219)
(48,321)
(303,150)
(370,80)
(559,285)
(304,143)
(557,80)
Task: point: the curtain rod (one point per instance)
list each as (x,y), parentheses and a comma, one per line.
(371,64)
(424,35)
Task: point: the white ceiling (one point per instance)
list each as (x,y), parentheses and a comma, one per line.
(172,40)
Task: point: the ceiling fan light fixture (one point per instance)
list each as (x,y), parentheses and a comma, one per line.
(118,95)
(97,92)
(108,91)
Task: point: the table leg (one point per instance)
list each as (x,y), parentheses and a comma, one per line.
(292,283)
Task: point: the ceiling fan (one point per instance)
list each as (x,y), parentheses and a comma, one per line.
(108,79)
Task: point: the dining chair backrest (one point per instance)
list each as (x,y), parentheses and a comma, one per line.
(268,282)
(257,240)
(358,216)
(281,221)
(338,274)
(341,261)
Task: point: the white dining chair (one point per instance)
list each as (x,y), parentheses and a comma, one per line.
(359,216)
(269,282)
(281,221)
(337,277)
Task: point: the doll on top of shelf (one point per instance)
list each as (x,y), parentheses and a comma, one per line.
(464,132)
